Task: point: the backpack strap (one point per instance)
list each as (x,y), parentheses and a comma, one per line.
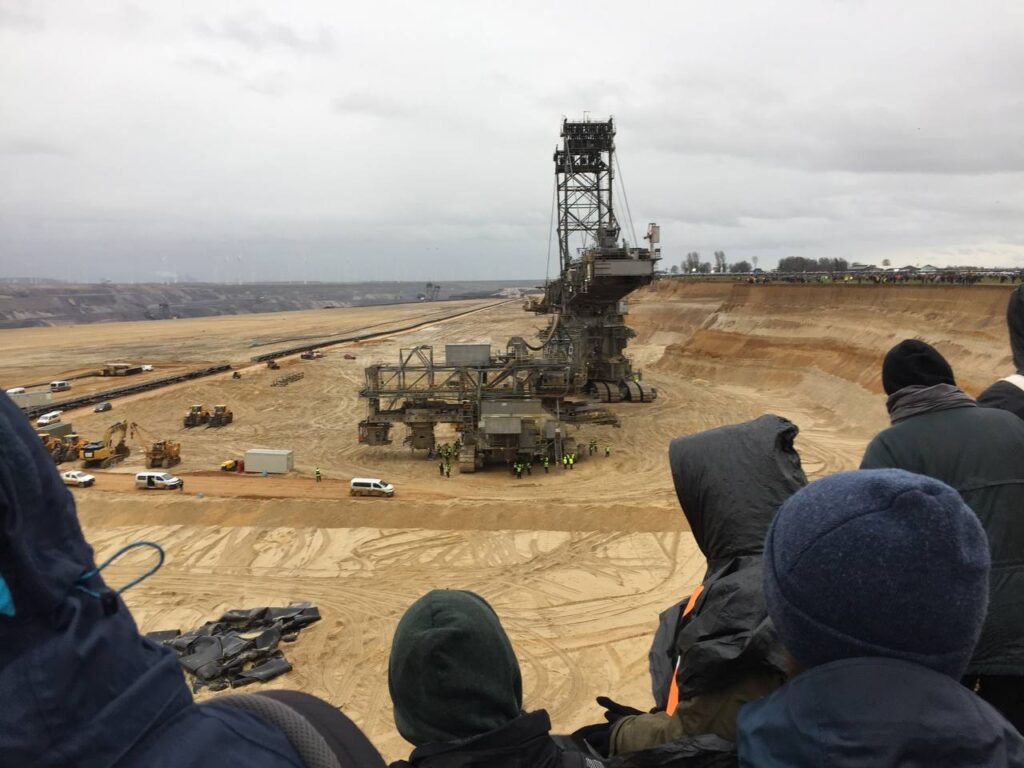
(304,738)
(673,687)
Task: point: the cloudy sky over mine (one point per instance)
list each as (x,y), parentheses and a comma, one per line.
(401,140)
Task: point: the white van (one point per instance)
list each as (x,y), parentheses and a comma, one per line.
(48,418)
(59,386)
(370,486)
(16,391)
(158,480)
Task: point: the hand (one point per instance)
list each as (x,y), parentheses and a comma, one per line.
(615,711)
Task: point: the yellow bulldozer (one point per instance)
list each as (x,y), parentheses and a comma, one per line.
(196,415)
(221,416)
(159,453)
(61,449)
(110,450)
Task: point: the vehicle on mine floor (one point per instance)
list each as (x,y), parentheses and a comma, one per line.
(76,477)
(312,354)
(48,418)
(16,391)
(101,407)
(273,365)
(370,486)
(197,414)
(221,416)
(147,368)
(59,386)
(349,356)
(163,480)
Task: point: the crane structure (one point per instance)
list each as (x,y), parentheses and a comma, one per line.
(511,405)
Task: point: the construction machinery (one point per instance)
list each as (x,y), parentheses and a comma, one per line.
(197,414)
(163,453)
(159,452)
(510,405)
(110,450)
(62,448)
(273,365)
(221,416)
(311,354)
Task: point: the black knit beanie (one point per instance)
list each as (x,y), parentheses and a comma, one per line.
(452,672)
(914,362)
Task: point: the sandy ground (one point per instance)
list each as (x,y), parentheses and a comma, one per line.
(577,564)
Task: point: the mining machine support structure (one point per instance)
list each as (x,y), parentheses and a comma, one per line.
(511,405)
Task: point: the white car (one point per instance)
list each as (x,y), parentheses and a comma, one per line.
(48,418)
(147,368)
(74,477)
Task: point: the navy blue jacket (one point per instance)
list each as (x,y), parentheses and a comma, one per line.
(875,713)
(80,688)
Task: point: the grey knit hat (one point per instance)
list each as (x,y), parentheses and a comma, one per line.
(877,563)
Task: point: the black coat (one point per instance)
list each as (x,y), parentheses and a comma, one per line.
(980,453)
(521,743)
(1005,394)
(875,713)
(730,482)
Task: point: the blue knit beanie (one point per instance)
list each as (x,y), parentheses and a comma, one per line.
(877,563)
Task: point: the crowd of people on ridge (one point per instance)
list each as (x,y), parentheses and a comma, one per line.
(869,618)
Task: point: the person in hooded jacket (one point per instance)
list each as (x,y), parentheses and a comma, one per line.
(716,650)
(938,430)
(457,692)
(1008,393)
(80,686)
(877,582)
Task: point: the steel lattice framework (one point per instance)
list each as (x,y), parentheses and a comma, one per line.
(584,174)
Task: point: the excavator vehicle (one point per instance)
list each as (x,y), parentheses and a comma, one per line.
(196,415)
(221,416)
(110,450)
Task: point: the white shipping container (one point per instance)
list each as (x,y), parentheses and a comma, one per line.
(269,460)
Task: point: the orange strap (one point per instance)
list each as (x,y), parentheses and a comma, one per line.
(673,688)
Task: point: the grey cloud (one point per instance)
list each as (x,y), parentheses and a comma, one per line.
(259,34)
(18,14)
(371,105)
(29,147)
(267,83)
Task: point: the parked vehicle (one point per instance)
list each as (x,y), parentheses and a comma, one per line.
(77,477)
(16,391)
(48,418)
(59,386)
(157,480)
(147,368)
(101,407)
(370,486)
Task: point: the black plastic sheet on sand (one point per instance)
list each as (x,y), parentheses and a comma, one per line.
(239,648)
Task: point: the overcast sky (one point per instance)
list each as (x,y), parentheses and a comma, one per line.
(413,140)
